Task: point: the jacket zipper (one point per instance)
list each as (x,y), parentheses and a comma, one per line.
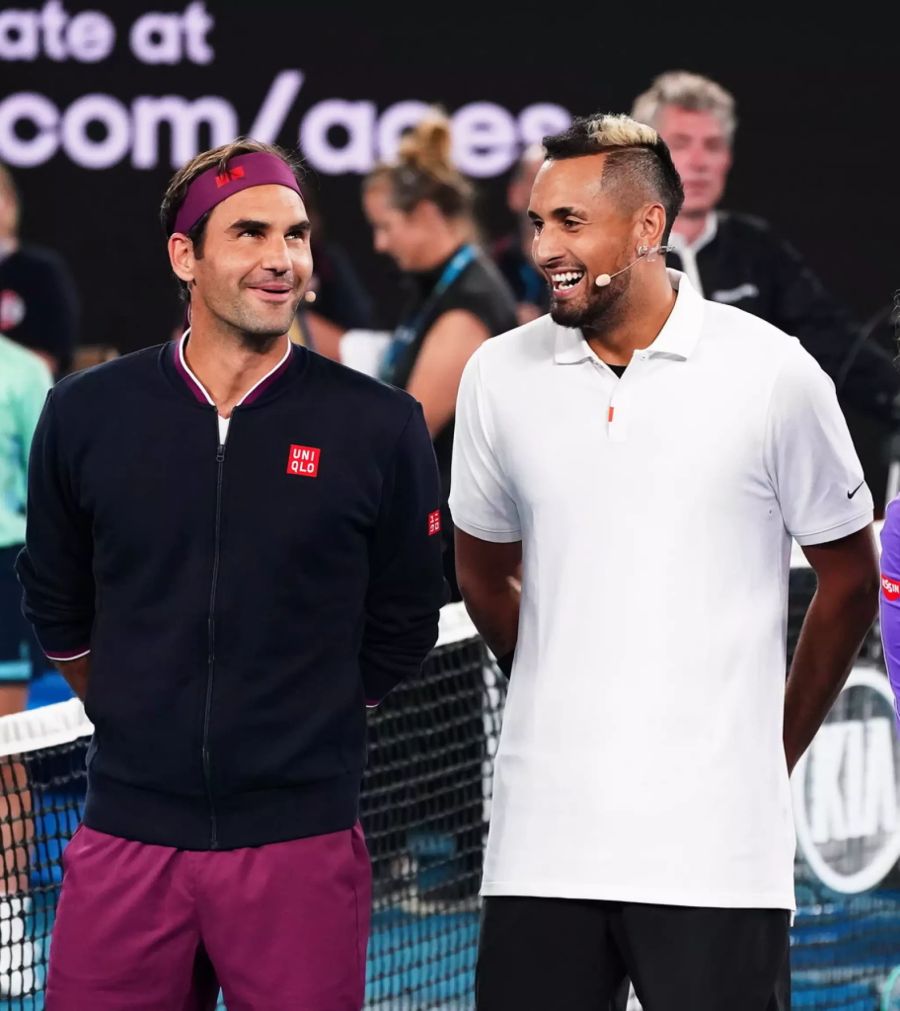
(211,660)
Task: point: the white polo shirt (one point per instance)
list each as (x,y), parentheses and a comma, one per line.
(641,754)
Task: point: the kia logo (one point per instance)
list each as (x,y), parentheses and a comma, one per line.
(847,788)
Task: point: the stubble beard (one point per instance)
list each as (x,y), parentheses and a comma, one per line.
(601,305)
(256,333)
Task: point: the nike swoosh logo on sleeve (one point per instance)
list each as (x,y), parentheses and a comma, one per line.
(850,494)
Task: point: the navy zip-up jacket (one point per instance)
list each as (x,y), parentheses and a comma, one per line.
(242,602)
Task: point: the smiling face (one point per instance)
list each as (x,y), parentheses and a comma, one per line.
(254,264)
(701,153)
(581,232)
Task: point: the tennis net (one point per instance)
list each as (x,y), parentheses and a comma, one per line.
(425,807)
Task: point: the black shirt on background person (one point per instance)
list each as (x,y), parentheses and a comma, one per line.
(741,261)
(738,259)
(512,252)
(420,210)
(39,305)
(479,289)
(38,300)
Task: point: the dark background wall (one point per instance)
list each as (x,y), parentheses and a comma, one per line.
(815,150)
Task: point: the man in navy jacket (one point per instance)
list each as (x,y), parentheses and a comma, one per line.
(231,552)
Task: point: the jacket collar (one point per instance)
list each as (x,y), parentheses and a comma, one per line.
(199,392)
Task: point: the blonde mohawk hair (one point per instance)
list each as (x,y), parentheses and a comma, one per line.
(618,130)
(638,165)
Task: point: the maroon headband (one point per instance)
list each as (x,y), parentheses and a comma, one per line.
(213,186)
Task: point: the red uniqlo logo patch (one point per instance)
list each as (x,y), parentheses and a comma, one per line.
(890,587)
(434,523)
(224,178)
(303,461)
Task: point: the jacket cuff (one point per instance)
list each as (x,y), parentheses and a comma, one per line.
(377,688)
(62,643)
(66,657)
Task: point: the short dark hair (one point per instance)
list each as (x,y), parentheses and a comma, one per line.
(217,158)
(639,165)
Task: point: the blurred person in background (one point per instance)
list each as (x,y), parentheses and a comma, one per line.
(420,210)
(512,253)
(24,382)
(336,300)
(737,259)
(38,300)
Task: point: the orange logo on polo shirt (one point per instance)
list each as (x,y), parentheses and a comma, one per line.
(303,461)
(434,523)
(229,176)
(890,587)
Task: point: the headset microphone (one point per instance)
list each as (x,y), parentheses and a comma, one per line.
(643,251)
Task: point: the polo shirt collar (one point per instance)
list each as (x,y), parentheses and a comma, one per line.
(677,338)
(681,330)
(571,348)
(199,390)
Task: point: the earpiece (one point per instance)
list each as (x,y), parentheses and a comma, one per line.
(651,252)
(643,253)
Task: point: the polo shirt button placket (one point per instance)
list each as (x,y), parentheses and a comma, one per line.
(603,372)
(614,419)
(617,424)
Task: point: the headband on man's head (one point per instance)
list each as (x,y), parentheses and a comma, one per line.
(259,168)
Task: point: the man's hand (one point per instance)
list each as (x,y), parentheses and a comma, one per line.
(76,674)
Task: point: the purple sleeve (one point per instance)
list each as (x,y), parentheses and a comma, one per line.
(889,598)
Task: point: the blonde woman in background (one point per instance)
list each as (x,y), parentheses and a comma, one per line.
(420,210)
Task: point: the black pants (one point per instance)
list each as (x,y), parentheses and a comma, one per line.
(572,955)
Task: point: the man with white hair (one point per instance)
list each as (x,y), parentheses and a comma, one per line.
(736,258)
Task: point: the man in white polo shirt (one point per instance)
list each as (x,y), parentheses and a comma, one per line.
(647,457)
